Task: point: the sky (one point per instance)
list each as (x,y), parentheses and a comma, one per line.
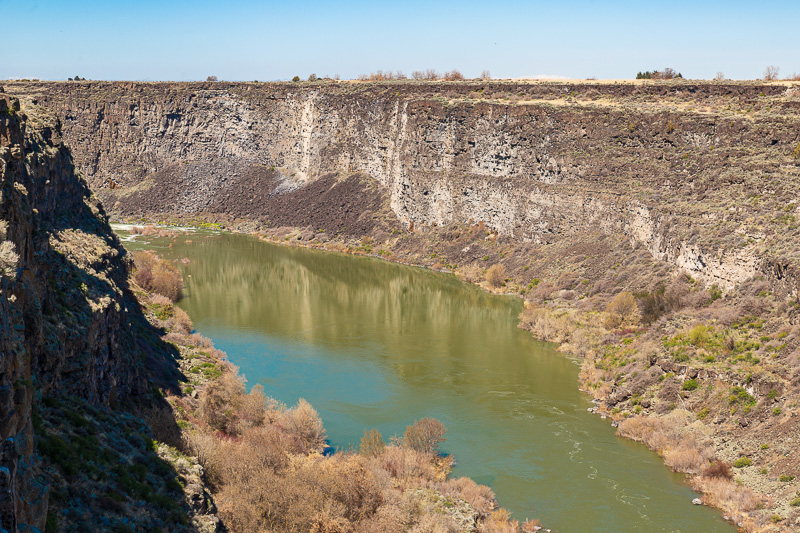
(263,40)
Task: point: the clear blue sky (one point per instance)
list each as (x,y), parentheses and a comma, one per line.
(250,40)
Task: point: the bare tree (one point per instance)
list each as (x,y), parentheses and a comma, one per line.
(719,77)
(453,75)
(666,74)
(212,78)
(771,73)
(485,75)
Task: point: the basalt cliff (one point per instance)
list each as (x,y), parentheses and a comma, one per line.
(686,170)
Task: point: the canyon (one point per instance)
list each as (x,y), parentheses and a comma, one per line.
(583,191)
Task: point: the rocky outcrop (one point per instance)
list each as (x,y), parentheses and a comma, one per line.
(63,305)
(674,166)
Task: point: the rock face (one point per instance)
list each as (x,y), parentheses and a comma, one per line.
(679,167)
(63,301)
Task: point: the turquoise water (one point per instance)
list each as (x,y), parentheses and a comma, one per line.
(375,344)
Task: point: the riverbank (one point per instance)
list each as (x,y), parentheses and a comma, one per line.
(268,467)
(617,370)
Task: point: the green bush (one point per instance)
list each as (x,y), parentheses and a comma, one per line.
(690,384)
(742,462)
(699,335)
(715,292)
(786,479)
(739,394)
(164,312)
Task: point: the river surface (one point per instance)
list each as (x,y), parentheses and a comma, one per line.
(373,344)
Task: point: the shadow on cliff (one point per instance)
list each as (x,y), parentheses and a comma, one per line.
(104,371)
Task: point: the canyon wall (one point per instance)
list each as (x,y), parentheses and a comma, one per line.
(64,324)
(694,172)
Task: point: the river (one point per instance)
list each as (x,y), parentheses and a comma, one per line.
(373,344)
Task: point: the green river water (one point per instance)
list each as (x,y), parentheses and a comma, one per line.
(375,344)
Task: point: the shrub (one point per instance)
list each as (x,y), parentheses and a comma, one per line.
(531,526)
(796,152)
(9,259)
(372,444)
(741,462)
(549,326)
(296,79)
(661,301)
(304,426)
(499,522)
(453,75)
(699,335)
(312,77)
(690,384)
(480,497)
(726,494)
(496,275)
(621,310)
(429,74)
(405,463)
(382,76)
(684,458)
(715,293)
(217,407)
(210,78)
(181,321)
(718,469)
(425,435)
(157,275)
(739,394)
(786,479)
(470,273)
